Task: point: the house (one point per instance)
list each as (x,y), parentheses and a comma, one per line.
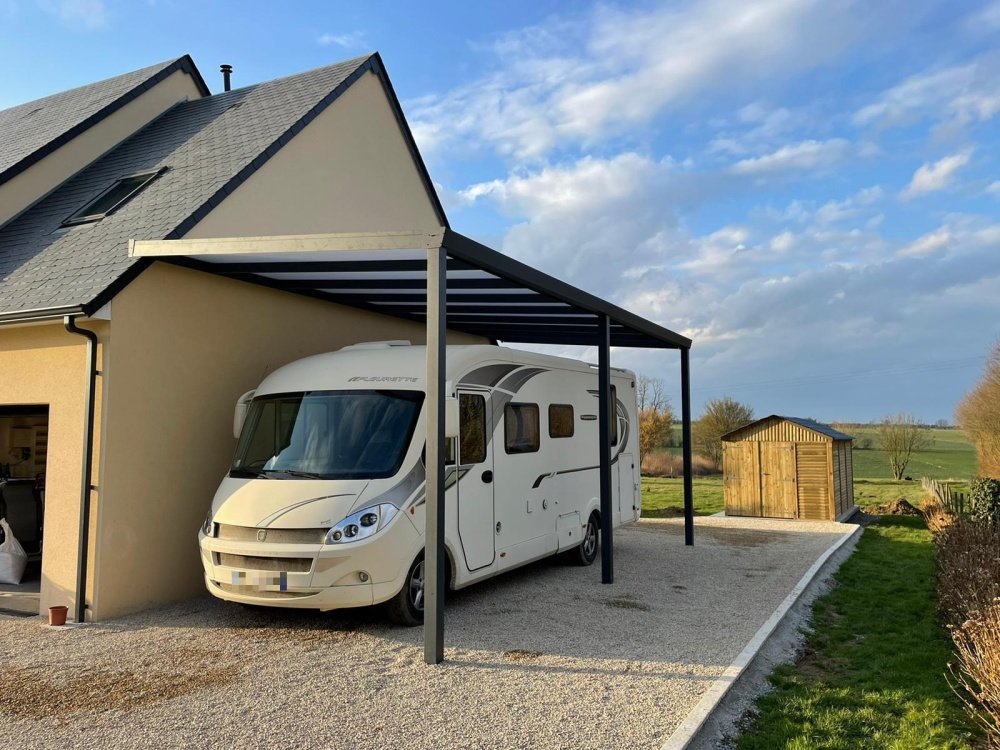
(153,155)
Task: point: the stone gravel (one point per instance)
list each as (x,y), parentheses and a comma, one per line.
(545,656)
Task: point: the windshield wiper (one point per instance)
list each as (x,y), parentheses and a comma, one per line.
(247,474)
(293,473)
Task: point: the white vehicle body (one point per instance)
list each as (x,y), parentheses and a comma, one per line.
(267,538)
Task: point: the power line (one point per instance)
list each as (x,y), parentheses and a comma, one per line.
(881,372)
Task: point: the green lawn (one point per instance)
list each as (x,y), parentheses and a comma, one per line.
(873,674)
(665,497)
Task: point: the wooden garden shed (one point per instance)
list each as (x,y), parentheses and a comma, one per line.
(786,467)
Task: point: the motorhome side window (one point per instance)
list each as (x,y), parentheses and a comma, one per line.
(614,415)
(560,421)
(471,430)
(521,430)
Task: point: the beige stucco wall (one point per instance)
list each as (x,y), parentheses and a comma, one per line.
(349,170)
(186,346)
(47,174)
(43,364)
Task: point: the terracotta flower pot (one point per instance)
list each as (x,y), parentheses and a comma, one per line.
(57,615)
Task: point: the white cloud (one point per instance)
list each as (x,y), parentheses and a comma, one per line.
(956,95)
(347,40)
(927,245)
(930,178)
(578,81)
(90,14)
(795,156)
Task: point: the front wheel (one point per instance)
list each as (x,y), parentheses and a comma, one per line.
(407,607)
(586,553)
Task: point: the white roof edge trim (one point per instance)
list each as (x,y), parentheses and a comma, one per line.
(297,243)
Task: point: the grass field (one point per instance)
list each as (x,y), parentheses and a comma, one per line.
(665,497)
(873,673)
(950,456)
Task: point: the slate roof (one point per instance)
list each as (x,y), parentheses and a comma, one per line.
(208,147)
(30,131)
(809,424)
(819,427)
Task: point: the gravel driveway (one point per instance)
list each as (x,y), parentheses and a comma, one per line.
(542,657)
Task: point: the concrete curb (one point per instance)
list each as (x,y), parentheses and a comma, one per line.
(697,717)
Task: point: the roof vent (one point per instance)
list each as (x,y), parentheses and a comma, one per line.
(227,70)
(375,345)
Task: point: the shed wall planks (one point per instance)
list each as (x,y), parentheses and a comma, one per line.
(776,468)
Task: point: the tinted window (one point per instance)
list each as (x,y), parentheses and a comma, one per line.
(327,434)
(472,428)
(560,421)
(521,433)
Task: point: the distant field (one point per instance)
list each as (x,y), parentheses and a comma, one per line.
(950,456)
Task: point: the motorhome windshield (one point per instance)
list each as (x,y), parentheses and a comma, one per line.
(327,435)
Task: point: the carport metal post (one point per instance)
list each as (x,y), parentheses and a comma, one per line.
(434,553)
(686,439)
(605,409)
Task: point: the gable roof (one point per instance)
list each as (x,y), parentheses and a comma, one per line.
(31,131)
(809,424)
(208,147)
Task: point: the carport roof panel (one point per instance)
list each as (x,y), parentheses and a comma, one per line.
(488,294)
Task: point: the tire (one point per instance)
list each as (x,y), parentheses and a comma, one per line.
(586,552)
(407,607)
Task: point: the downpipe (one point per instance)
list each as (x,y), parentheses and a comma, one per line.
(86,484)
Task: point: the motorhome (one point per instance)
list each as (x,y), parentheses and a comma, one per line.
(323,506)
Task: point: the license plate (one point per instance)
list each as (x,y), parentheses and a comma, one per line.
(261,581)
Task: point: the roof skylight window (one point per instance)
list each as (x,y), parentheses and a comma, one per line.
(112,199)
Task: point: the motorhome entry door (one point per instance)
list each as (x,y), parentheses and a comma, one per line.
(476,520)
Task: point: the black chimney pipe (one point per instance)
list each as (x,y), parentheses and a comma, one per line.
(227,70)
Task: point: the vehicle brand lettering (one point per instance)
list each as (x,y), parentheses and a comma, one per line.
(381,379)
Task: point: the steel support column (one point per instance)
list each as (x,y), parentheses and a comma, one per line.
(686,438)
(434,553)
(606,411)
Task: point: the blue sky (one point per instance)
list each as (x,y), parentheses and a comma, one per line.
(807,188)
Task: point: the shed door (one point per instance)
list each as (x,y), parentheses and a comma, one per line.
(777,480)
(740,472)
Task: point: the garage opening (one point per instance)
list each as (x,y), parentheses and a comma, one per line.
(24,440)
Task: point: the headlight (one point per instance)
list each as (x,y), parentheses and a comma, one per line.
(206,527)
(362,524)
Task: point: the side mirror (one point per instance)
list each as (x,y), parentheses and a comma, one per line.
(451,417)
(240,413)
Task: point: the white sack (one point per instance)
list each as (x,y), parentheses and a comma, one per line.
(12,557)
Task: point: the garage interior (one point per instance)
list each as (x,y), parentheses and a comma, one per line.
(24,434)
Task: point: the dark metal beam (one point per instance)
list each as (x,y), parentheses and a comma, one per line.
(434,551)
(686,439)
(605,410)
(391,285)
(336,266)
(500,265)
(527,297)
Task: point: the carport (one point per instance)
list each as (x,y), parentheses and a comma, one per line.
(446,280)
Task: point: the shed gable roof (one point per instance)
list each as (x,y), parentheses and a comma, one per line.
(208,146)
(809,424)
(33,130)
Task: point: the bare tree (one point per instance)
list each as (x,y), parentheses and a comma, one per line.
(979,414)
(901,436)
(942,424)
(720,415)
(649,393)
